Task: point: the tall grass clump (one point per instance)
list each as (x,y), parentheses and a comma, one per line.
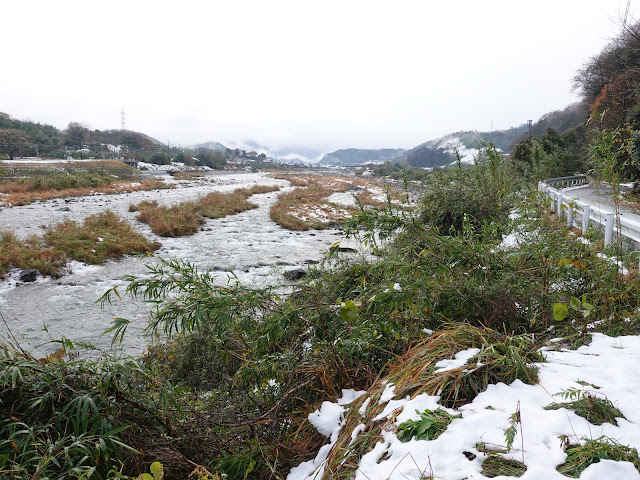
(100,237)
(595,408)
(219,205)
(62,417)
(184,219)
(285,214)
(169,221)
(74,182)
(30,253)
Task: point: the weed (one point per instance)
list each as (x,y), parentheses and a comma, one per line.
(184,176)
(495,466)
(286,211)
(580,457)
(308,208)
(429,427)
(596,409)
(100,237)
(30,253)
(501,359)
(218,205)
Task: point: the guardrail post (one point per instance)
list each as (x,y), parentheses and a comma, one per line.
(559,206)
(569,215)
(552,196)
(586,213)
(608,229)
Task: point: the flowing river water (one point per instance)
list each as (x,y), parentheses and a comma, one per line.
(248,247)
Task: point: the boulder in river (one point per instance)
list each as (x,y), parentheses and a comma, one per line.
(295,274)
(28,275)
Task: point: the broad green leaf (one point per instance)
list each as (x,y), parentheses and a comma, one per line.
(575,303)
(560,311)
(157,471)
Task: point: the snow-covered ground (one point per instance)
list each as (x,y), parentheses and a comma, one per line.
(607,368)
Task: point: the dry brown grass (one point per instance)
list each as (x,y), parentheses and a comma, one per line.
(293,205)
(218,205)
(173,221)
(186,218)
(97,239)
(501,359)
(308,208)
(100,237)
(22,193)
(185,176)
(31,253)
(257,189)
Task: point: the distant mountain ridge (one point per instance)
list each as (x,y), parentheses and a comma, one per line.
(49,140)
(213,146)
(359,156)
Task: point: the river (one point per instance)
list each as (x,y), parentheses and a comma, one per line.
(249,246)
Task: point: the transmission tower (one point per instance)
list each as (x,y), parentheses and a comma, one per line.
(122,118)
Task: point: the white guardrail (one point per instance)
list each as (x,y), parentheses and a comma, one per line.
(581,212)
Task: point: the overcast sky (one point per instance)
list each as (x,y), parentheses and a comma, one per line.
(319,74)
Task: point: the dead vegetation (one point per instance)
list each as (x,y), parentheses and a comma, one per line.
(185,218)
(16,193)
(308,206)
(100,237)
(502,358)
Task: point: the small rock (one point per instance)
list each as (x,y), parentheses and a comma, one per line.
(29,275)
(310,262)
(64,209)
(295,274)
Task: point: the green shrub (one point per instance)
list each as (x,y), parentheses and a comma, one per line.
(481,193)
(66,418)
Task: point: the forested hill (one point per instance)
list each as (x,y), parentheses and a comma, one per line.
(358,156)
(27,138)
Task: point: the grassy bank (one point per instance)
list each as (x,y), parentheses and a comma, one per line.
(185,218)
(100,237)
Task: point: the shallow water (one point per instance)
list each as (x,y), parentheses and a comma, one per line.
(248,247)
